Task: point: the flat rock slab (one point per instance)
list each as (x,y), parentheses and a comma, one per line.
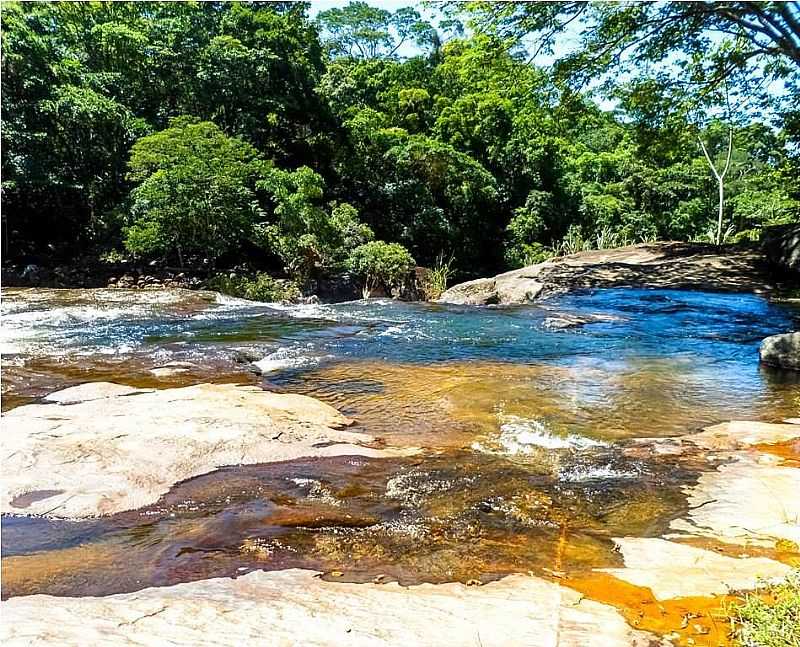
(294,607)
(657,265)
(103,448)
(739,434)
(751,498)
(748,501)
(671,570)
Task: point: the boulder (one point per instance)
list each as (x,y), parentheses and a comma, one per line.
(656,265)
(781,351)
(781,246)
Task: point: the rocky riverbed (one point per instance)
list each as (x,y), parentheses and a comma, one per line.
(391,473)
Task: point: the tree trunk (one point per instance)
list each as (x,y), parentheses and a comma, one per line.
(721,204)
(720,179)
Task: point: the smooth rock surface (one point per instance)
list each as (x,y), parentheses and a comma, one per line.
(657,265)
(294,607)
(781,351)
(739,434)
(672,570)
(749,501)
(107,448)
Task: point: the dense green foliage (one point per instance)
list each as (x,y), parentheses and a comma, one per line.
(770,617)
(197,191)
(223,133)
(380,264)
(261,287)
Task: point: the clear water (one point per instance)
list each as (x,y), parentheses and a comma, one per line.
(527,429)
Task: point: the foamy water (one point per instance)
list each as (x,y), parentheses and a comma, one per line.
(521,437)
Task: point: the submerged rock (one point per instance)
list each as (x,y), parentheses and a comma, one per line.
(295,607)
(781,351)
(102,448)
(658,265)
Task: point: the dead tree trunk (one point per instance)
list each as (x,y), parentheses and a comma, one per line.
(720,178)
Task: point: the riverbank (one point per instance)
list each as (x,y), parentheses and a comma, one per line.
(685,266)
(548,478)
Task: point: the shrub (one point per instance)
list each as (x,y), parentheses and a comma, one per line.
(380,264)
(260,287)
(770,617)
(196,191)
(434,283)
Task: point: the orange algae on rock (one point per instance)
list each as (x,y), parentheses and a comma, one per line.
(789,451)
(696,620)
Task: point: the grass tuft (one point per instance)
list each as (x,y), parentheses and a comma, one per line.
(770,616)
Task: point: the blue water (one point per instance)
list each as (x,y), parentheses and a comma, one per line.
(706,343)
(503,401)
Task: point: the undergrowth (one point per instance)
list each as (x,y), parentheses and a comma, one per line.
(770,616)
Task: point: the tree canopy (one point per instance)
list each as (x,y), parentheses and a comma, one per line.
(223,132)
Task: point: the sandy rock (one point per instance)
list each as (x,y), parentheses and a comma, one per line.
(658,265)
(294,607)
(781,351)
(90,391)
(672,570)
(172,368)
(115,448)
(743,433)
(747,501)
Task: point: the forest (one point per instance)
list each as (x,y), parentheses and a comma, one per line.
(363,139)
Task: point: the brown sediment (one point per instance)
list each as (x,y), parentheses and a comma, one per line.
(452,516)
(689,620)
(450,404)
(23,384)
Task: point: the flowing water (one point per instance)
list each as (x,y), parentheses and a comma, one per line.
(529,420)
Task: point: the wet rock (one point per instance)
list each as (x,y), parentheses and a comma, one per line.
(247,355)
(565,321)
(781,351)
(739,434)
(173,368)
(90,391)
(112,448)
(659,265)
(296,606)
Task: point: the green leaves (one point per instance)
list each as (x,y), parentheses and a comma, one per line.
(197,191)
(380,264)
(359,30)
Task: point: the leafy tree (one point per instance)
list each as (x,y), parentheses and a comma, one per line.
(196,191)
(715,38)
(359,30)
(381,264)
(308,239)
(312,138)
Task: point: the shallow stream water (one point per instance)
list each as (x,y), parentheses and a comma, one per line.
(529,420)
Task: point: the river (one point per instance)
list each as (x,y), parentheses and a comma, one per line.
(530,422)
